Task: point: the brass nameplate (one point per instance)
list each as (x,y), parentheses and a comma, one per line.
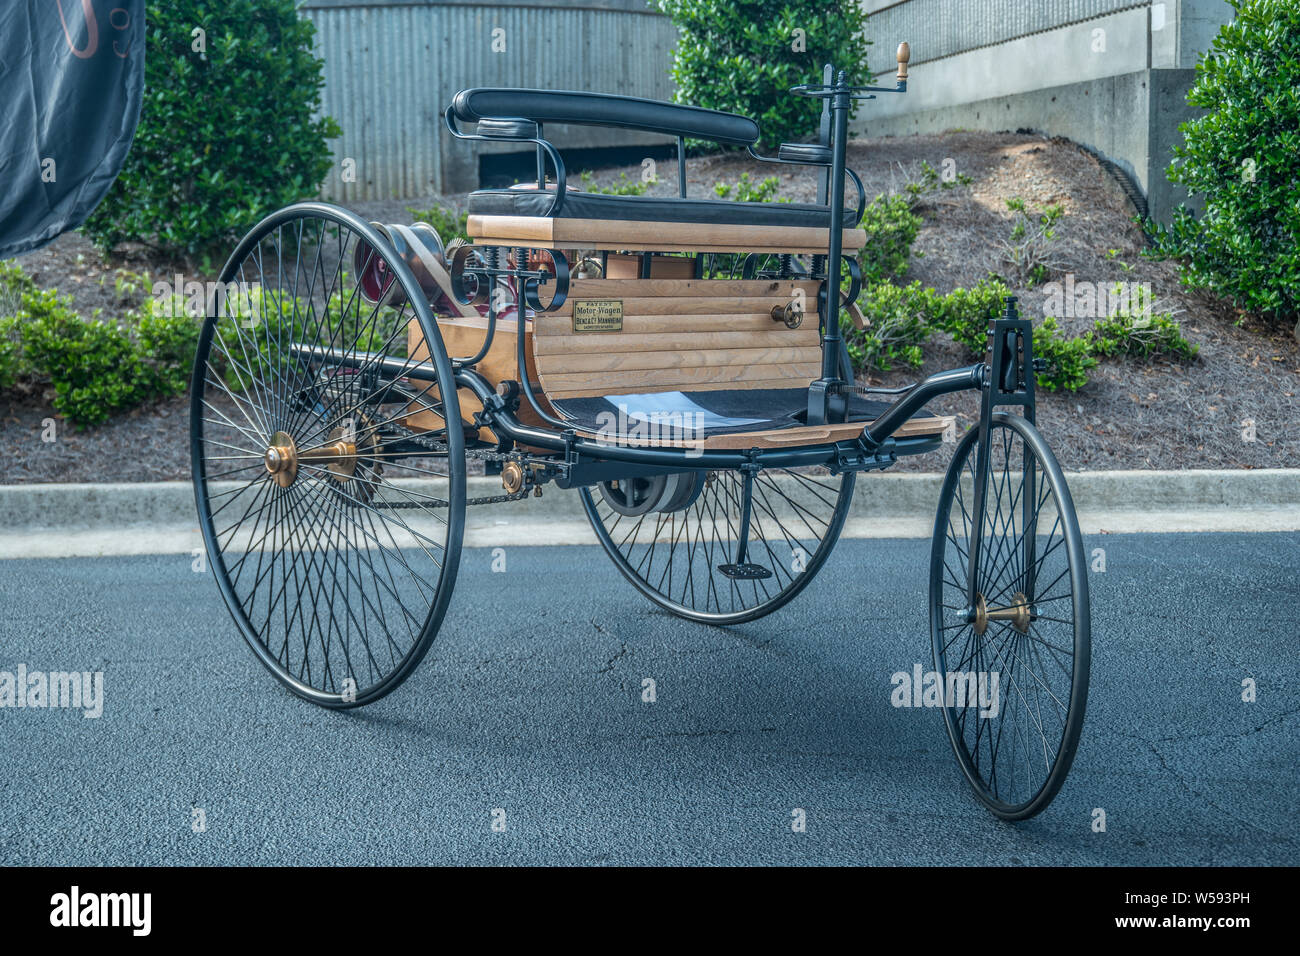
(598,315)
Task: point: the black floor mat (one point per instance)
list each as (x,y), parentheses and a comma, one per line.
(686,415)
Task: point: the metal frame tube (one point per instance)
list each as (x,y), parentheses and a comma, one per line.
(940,383)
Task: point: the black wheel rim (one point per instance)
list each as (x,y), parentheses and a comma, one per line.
(1030,625)
(674,557)
(338,566)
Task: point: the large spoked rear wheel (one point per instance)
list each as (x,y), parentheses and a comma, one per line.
(330,496)
(1014,661)
(675,537)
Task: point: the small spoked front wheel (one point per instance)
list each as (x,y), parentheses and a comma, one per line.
(1009,617)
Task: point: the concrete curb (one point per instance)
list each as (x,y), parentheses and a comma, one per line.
(67,520)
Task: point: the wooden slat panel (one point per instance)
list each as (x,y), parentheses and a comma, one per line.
(627,234)
(672,379)
(667,306)
(606,389)
(613,363)
(573,247)
(813,434)
(639,324)
(731,341)
(546,346)
(726,289)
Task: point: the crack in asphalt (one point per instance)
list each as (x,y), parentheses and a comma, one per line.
(609,664)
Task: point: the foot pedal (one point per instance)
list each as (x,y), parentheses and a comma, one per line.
(745,572)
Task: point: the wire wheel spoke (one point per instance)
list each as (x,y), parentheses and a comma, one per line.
(303,377)
(1010,634)
(682,550)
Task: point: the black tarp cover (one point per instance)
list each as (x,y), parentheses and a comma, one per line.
(71,83)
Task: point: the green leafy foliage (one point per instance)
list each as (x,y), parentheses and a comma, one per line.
(14,283)
(1029,250)
(164,351)
(447,224)
(891,228)
(743,56)
(746,190)
(1069,359)
(899,320)
(902,319)
(1239,158)
(624,186)
(90,364)
(931,182)
(965,314)
(1142,336)
(11,355)
(226,134)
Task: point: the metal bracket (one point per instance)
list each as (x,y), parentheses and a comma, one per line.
(1011,362)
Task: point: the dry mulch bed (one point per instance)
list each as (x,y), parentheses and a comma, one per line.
(1131,414)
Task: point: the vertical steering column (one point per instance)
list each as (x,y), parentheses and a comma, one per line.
(826,400)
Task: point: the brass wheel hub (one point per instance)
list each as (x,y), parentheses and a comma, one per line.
(283,458)
(1018,612)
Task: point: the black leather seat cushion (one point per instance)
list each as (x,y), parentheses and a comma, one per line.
(581,205)
(768,408)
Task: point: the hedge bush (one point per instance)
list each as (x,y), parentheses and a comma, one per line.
(227,133)
(743,57)
(902,319)
(891,228)
(90,363)
(1240,159)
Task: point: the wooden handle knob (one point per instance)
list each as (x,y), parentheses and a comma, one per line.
(904,54)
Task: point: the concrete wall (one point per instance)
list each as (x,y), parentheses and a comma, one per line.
(1109,74)
(392,66)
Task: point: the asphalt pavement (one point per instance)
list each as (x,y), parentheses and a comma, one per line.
(529,711)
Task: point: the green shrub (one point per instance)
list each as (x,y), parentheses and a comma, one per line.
(743,56)
(13,283)
(1068,359)
(1029,251)
(899,320)
(165,346)
(447,224)
(746,190)
(90,364)
(966,314)
(1142,336)
(891,228)
(226,134)
(1239,158)
(624,186)
(11,355)
(931,182)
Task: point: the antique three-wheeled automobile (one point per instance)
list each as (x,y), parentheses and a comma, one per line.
(678,362)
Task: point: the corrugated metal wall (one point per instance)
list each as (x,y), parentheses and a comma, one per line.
(939,28)
(391,69)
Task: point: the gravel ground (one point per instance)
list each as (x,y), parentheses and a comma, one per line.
(1130,415)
